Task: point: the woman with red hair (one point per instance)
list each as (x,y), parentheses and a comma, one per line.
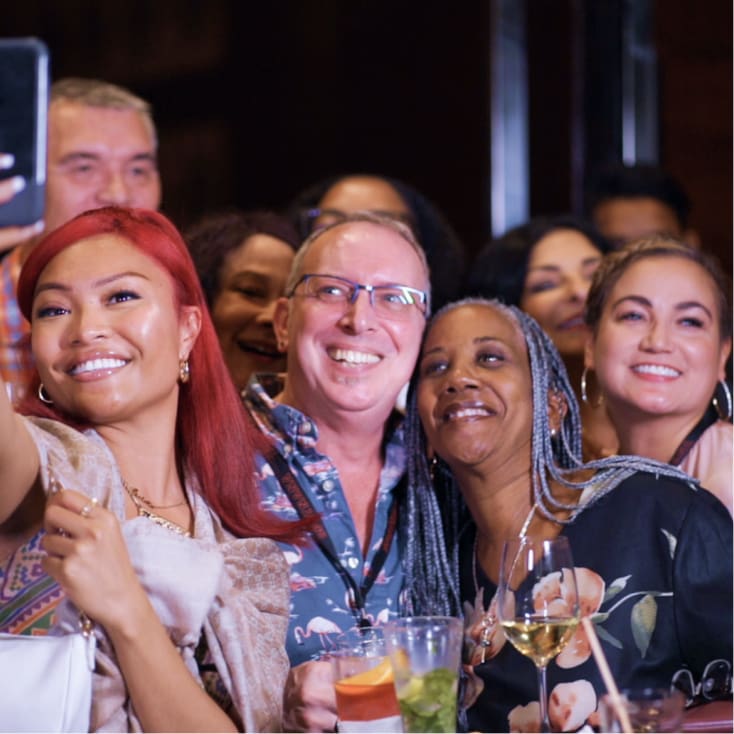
(133,449)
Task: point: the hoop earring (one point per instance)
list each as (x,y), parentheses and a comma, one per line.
(584,396)
(727,394)
(42,396)
(184,371)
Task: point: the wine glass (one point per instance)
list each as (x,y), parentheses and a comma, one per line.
(537,603)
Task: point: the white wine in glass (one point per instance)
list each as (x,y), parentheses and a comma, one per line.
(537,603)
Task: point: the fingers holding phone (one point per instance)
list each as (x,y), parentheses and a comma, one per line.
(9,187)
(23,133)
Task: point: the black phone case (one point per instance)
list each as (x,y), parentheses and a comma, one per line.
(23,114)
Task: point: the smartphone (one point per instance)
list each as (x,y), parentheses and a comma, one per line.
(23,116)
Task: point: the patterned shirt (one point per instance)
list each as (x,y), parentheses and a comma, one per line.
(16,361)
(28,596)
(320,608)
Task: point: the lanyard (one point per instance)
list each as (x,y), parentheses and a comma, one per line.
(707,419)
(306,510)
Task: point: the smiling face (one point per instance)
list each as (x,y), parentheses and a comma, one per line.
(657,349)
(559,274)
(106,333)
(251,280)
(346,358)
(474,388)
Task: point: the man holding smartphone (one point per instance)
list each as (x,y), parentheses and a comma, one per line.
(102,150)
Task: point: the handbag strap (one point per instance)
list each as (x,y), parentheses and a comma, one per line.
(306,510)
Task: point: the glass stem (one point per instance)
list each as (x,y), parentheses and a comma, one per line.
(543,700)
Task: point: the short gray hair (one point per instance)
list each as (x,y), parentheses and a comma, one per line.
(97,93)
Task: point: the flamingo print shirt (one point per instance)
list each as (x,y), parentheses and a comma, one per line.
(319,607)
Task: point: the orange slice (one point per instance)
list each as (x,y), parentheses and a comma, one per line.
(381,673)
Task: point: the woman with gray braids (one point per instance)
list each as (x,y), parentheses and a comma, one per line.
(491,402)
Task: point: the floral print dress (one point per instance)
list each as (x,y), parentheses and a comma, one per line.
(653,562)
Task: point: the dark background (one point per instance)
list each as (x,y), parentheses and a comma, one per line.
(255,100)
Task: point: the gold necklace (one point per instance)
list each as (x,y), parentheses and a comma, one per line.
(137,497)
(147,509)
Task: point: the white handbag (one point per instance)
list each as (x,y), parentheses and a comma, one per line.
(46,681)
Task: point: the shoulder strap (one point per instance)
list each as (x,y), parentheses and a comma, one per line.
(707,419)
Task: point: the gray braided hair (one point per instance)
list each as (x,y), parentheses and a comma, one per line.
(434,509)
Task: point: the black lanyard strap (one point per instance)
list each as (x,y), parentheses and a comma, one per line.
(306,510)
(707,419)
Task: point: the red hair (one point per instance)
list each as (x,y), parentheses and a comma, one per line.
(212,429)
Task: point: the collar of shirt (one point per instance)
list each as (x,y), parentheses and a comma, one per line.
(289,426)
(292,430)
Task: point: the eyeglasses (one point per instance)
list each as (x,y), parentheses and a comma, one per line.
(315,218)
(389,301)
(715,682)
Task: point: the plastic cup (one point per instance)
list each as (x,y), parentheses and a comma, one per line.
(363,681)
(649,710)
(425,653)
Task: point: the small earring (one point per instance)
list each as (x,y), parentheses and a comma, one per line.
(553,432)
(184,371)
(432,465)
(584,396)
(727,395)
(42,395)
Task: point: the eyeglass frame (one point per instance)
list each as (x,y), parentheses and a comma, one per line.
(308,216)
(698,693)
(422,300)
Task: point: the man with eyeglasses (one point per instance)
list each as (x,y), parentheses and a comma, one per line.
(330,441)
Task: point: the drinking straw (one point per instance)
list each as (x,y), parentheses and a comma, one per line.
(601,661)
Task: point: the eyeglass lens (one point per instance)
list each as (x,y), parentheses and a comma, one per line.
(388,300)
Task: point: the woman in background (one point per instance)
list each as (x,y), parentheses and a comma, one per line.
(243,260)
(661,332)
(545,267)
(121,452)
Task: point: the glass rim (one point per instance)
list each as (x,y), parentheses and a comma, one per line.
(646,693)
(423,621)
